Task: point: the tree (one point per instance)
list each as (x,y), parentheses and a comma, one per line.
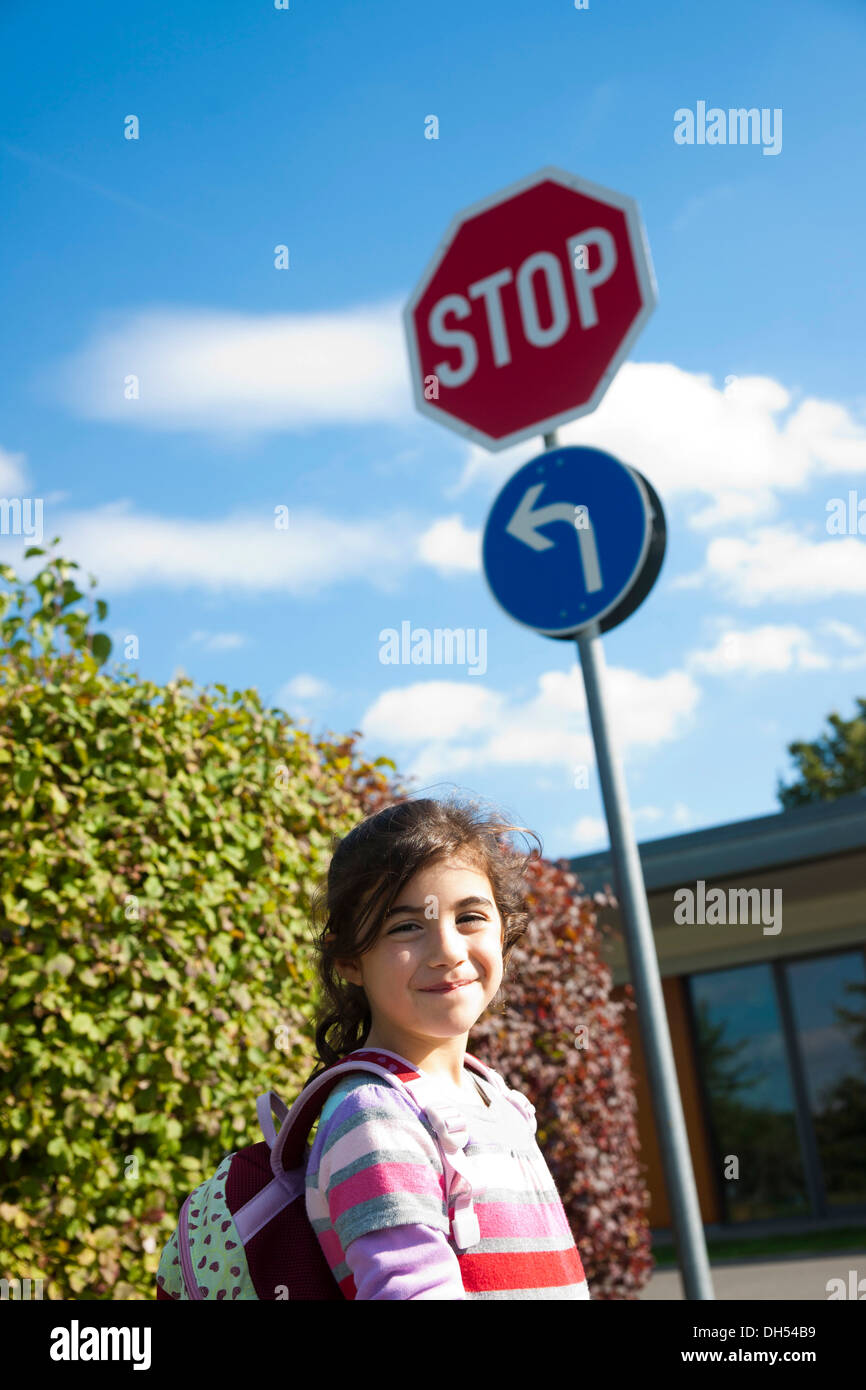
(834,765)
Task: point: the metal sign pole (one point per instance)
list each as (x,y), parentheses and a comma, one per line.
(643,962)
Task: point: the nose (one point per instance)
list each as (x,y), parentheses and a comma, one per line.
(447,944)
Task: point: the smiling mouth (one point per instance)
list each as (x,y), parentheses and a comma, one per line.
(447,989)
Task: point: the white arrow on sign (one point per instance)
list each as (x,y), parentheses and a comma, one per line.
(524,527)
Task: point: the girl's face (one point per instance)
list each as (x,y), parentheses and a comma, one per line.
(432,936)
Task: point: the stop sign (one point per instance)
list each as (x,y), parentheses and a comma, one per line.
(532,300)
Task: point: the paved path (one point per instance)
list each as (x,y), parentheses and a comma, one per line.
(773,1280)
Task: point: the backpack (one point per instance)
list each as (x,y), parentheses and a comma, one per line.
(244,1233)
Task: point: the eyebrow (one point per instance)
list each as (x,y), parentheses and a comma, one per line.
(464,902)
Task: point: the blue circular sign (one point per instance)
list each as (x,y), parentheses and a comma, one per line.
(566,539)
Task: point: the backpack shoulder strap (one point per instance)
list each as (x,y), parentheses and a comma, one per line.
(447,1121)
(265,1107)
(517,1098)
(287,1147)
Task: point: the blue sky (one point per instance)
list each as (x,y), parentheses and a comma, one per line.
(743,400)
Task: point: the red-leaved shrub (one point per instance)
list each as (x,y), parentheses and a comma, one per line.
(561,1039)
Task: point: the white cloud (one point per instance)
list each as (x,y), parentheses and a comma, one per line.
(851,639)
(13,475)
(212,370)
(777,563)
(736,444)
(733,508)
(218,641)
(845,632)
(590,832)
(448,546)
(244,553)
(433,710)
(201,369)
(303,687)
(758,651)
(695,208)
(779,648)
(239,554)
(451,725)
(649,710)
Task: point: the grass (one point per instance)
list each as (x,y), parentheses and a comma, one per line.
(808,1243)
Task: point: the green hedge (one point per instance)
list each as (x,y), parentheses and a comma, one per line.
(158,848)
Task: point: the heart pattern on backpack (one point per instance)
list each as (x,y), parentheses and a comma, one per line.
(215,1277)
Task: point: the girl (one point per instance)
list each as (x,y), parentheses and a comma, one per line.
(422,909)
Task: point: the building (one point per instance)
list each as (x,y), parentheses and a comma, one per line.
(765,995)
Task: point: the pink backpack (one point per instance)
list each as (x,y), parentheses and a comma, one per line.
(244,1233)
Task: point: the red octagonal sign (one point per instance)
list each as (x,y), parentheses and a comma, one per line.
(531,302)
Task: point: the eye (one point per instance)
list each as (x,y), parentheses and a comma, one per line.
(467,917)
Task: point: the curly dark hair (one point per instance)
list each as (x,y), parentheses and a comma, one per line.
(369,868)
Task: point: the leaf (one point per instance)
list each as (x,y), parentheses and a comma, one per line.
(70,593)
(61,963)
(24,779)
(58,799)
(101,647)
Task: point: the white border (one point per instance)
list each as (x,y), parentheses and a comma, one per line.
(645,278)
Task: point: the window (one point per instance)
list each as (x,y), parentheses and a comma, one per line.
(749,1094)
(828,996)
(781,1051)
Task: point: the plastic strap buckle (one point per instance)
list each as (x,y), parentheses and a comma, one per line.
(465,1227)
(450,1126)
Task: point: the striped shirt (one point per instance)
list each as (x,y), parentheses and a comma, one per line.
(375,1196)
